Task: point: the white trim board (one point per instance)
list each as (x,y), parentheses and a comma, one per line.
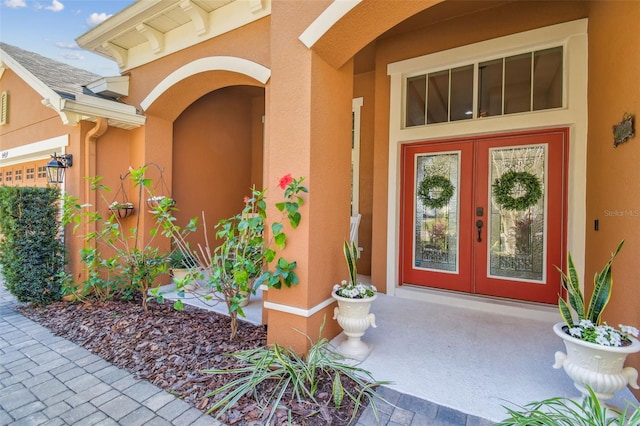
(33,151)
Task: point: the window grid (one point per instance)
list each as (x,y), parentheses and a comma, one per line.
(411,108)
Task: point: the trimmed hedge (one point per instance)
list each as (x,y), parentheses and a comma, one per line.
(31,250)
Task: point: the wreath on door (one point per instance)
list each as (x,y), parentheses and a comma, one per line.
(435,191)
(504,185)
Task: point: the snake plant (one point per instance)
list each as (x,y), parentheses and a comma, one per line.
(603,282)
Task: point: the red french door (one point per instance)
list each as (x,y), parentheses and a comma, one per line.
(485,215)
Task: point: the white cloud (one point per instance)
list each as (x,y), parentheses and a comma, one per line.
(72,55)
(97,18)
(64,45)
(56,6)
(14,4)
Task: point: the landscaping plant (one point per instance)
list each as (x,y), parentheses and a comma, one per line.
(120,261)
(272,374)
(589,326)
(31,248)
(353,289)
(240,263)
(568,412)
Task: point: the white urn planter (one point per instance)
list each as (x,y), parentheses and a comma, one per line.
(600,367)
(354,317)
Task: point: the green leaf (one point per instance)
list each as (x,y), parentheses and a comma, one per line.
(294,220)
(603,283)
(283,264)
(277,228)
(280,240)
(337,391)
(269,255)
(178,305)
(565,313)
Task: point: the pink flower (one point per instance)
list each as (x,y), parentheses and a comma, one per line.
(285,181)
(246,199)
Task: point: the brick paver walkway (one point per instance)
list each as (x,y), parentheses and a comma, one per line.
(47,380)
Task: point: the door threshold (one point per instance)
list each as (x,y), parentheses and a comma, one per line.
(515,308)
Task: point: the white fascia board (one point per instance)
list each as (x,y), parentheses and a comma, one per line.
(116,85)
(105,104)
(222,20)
(110,110)
(123,21)
(34,151)
(35,83)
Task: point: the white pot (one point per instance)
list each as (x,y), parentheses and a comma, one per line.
(354,318)
(600,367)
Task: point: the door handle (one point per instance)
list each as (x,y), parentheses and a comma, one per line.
(479,225)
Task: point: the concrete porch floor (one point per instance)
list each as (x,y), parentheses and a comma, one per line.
(470,354)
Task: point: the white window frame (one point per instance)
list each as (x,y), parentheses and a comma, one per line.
(573,37)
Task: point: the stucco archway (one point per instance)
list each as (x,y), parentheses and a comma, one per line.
(214,107)
(345,28)
(188,83)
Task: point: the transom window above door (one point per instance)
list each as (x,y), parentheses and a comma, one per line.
(521,83)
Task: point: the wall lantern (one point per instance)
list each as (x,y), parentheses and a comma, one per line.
(56,167)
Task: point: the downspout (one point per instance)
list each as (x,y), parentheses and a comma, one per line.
(89,169)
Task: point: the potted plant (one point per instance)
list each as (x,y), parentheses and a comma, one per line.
(354,302)
(595,351)
(154,201)
(182,265)
(123,209)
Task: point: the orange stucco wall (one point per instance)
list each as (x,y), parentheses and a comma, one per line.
(613,176)
(29,120)
(213,155)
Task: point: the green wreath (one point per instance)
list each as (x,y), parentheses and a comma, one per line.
(503,186)
(431,183)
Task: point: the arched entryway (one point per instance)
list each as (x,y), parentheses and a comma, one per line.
(218,152)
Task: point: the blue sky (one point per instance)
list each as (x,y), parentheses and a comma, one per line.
(50,27)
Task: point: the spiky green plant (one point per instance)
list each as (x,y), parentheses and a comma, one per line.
(567,412)
(301,376)
(603,283)
(351,256)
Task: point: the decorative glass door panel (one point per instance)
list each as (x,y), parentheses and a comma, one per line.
(485,216)
(517,216)
(436,246)
(436,211)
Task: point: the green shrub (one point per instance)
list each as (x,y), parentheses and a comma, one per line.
(568,412)
(275,375)
(31,250)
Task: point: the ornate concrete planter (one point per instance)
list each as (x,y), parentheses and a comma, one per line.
(600,367)
(354,318)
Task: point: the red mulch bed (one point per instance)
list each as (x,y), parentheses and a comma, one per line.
(171,348)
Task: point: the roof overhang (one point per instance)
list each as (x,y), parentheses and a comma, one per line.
(149,30)
(83,107)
